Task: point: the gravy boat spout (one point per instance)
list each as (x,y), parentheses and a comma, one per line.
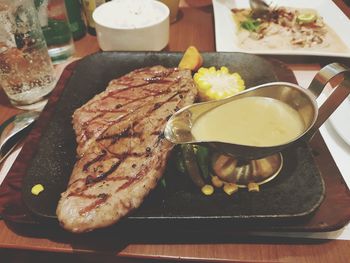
(178,129)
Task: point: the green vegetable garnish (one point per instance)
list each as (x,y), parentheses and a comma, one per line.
(191,165)
(306,18)
(202,156)
(252,25)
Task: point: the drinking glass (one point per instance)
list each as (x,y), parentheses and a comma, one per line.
(26,72)
(55,26)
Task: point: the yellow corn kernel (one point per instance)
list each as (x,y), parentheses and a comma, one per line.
(230,188)
(215,180)
(212,70)
(253,187)
(37,189)
(203,85)
(224,70)
(207,189)
(203,71)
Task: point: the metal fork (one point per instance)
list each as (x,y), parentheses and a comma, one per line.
(259,7)
(11,129)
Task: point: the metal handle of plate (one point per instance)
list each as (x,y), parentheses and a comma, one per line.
(338,95)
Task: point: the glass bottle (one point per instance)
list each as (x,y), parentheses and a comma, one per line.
(55,26)
(76,22)
(89,6)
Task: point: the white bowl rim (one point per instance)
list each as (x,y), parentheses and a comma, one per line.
(100,7)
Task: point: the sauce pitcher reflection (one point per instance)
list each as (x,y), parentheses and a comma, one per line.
(253,121)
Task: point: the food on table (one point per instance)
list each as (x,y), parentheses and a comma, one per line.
(253,187)
(229,170)
(230,188)
(208,189)
(191,59)
(121,149)
(224,171)
(191,166)
(254,121)
(217,182)
(224,167)
(202,157)
(217,84)
(307,18)
(195,159)
(264,167)
(285,28)
(37,189)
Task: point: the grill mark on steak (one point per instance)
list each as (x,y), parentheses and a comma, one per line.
(102,198)
(120,108)
(98,158)
(128,183)
(86,196)
(81,191)
(129,180)
(91,179)
(129,82)
(121,117)
(143,171)
(126,132)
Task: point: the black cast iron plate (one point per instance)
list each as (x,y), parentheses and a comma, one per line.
(293,195)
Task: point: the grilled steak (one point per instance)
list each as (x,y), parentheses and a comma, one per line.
(121,150)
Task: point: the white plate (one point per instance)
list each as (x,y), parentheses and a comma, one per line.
(225,28)
(340,120)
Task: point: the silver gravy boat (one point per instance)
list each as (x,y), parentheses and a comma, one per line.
(178,127)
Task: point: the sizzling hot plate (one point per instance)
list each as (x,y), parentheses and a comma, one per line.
(294,194)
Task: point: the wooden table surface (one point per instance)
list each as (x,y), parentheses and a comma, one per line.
(195,26)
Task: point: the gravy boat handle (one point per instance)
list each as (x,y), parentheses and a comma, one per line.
(337,96)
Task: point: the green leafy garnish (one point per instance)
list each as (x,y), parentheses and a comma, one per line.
(252,25)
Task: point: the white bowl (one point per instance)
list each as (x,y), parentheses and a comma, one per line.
(133,25)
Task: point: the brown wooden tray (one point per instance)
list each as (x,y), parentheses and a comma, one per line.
(333,213)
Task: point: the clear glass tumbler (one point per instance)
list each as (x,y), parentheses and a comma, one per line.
(26,71)
(55,25)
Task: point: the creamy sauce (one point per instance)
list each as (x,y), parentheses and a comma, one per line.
(254,121)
